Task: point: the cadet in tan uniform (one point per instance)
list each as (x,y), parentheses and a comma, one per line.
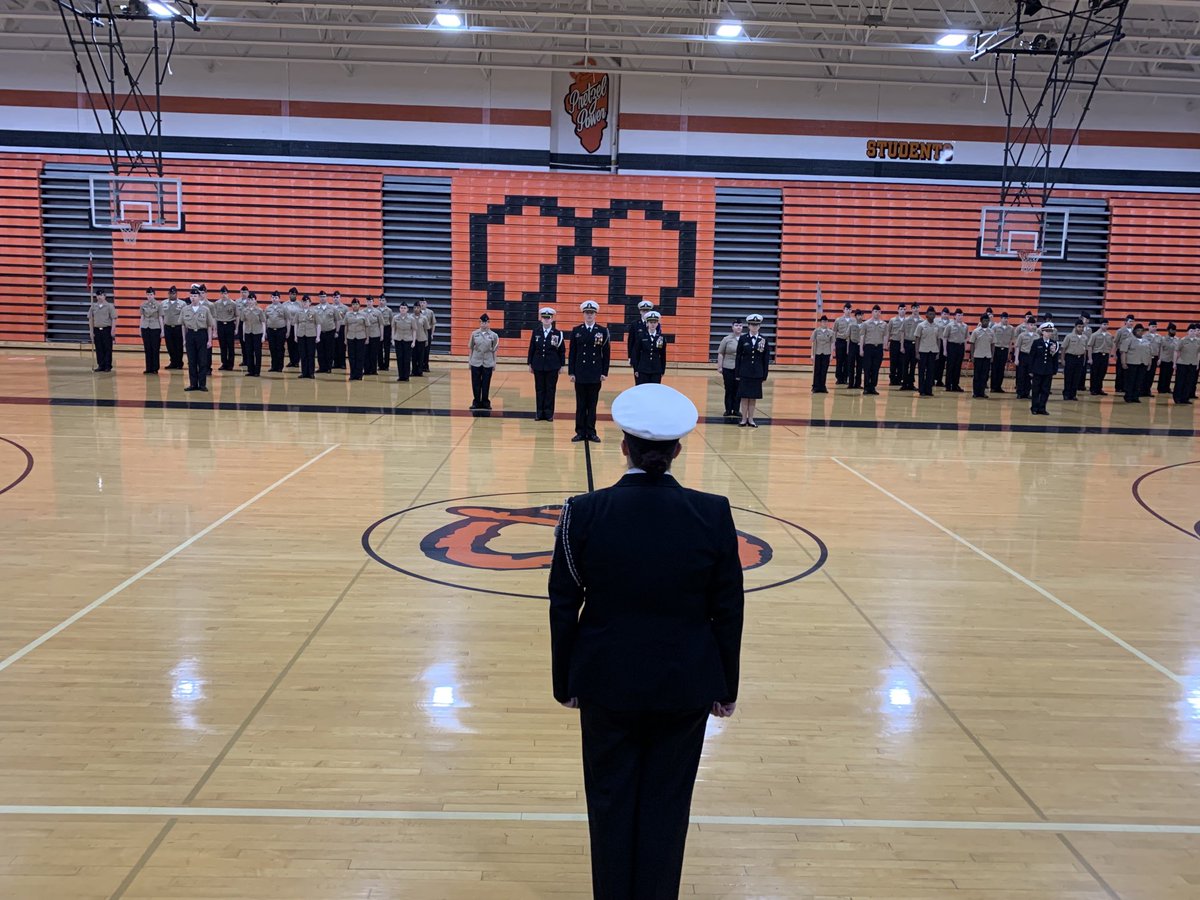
(908,378)
(420,335)
(385,317)
(822,348)
(308,330)
(293,347)
(841,345)
(243,303)
(102,323)
(277,330)
(404,337)
(339,347)
(981,357)
(929,338)
(1100,345)
(895,338)
(854,352)
(198,329)
(1002,340)
(1074,349)
(954,345)
(172,310)
(1187,365)
(356,340)
(939,367)
(150,324)
(1023,340)
(1166,359)
(874,334)
(482,359)
(1154,341)
(225,312)
(1134,360)
(374,323)
(327,323)
(430,321)
(254,326)
(727,366)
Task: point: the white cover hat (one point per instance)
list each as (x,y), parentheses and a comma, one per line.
(654,412)
(589,306)
(547,311)
(645,304)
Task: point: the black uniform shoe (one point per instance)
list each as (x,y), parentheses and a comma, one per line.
(578,438)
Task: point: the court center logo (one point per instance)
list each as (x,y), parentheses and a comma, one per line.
(502,544)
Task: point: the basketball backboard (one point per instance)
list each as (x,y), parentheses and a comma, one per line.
(153,204)
(1014,232)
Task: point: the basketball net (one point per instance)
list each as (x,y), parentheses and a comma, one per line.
(1029,259)
(130,228)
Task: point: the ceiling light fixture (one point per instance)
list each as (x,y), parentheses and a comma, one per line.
(953,39)
(448,20)
(728,30)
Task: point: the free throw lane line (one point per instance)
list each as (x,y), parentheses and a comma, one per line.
(1095,626)
(170,554)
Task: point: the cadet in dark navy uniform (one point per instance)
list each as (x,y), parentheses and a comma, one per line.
(547,355)
(650,351)
(587,364)
(647,647)
(753,358)
(1043,363)
(635,332)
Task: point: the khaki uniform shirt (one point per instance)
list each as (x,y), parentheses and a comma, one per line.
(727,350)
(874,332)
(929,336)
(896,328)
(483,348)
(822,343)
(841,327)
(102,315)
(1124,336)
(293,309)
(173,311)
(254,319)
(341,310)
(374,323)
(855,335)
(403,328)
(1137,351)
(151,314)
(225,311)
(198,318)
(356,326)
(420,332)
(956,332)
(982,343)
(277,315)
(910,328)
(1188,351)
(1167,348)
(1024,339)
(1101,342)
(1002,336)
(307,322)
(1154,339)
(1074,344)
(430,321)
(327,317)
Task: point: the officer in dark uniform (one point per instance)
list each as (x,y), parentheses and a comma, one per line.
(650,351)
(1043,363)
(547,355)
(587,365)
(645,647)
(635,332)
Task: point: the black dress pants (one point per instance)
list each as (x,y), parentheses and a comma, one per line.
(225,337)
(275,341)
(371,362)
(999,362)
(1119,379)
(1099,371)
(1185,382)
(545,385)
(385,349)
(253,353)
(649,377)
(102,341)
(587,396)
(983,365)
(404,351)
(639,770)
(729,376)
(308,353)
(1148,377)
(895,363)
(1039,391)
(1072,375)
(908,379)
(151,341)
(872,363)
(481,385)
(325,350)
(1024,382)
(173,334)
(293,349)
(925,373)
(954,361)
(853,366)
(356,355)
(1165,371)
(939,370)
(842,361)
(245,345)
(1134,375)
(196,342)
(820,374)
(339,348)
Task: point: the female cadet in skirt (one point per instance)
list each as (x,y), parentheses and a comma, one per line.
(753,353)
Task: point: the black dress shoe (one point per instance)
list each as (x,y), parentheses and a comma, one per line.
(578,438)
(191,388)
(594,438)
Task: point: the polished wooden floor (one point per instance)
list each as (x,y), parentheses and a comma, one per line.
(986,686)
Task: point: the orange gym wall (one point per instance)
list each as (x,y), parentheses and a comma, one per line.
(528,246)
(22,262)
(316,225)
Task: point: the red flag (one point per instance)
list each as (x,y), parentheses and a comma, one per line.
(89,273)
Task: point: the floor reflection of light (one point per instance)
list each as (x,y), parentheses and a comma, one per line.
(445,698)
(187,690)
(898,695)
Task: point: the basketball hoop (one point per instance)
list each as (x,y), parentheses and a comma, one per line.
(1029,259)
(129,228)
